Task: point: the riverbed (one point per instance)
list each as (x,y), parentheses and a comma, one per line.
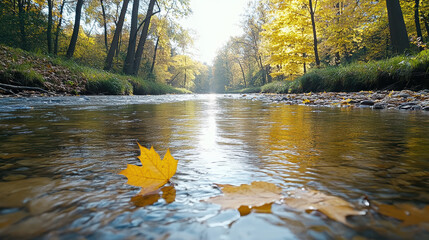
(60,158)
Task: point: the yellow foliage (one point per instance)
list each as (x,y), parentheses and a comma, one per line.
(153,173)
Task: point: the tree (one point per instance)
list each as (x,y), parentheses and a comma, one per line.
(129,60)
(115,41)
(143,37)
(398,31)
(57,31)
(104,24)
(252,27)
(312,10)
(21,17)
(73,40)
(49,28)
(288,38)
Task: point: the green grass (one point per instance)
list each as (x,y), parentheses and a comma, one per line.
(247,90)
(401,72)
(32,69)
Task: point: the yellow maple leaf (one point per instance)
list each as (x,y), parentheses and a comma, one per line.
(153,173)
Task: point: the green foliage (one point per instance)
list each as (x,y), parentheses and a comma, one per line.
(110,86)
(275,87)
(392,74)
(19,67)
(33,20)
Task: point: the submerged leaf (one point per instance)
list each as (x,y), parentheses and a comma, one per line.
(246,197)
(407,213)
(333,207)
(153,173)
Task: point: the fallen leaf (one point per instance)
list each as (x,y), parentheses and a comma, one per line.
(407,213)
(333,207)
(168,194)
(246,197)
(153,173)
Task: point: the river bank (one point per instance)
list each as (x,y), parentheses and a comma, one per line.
(29,74)
(401,100)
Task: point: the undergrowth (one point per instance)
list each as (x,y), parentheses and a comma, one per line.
(397,73)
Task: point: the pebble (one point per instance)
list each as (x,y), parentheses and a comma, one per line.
(379,106)
(378,100)
(367,102)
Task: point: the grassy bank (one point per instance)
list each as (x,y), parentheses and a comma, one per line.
(392,74)
(58,75)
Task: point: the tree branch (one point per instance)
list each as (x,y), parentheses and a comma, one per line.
(8,86)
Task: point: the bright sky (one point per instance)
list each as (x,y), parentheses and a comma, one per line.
(214,22)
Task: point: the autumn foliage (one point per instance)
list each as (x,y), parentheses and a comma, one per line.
(153,173)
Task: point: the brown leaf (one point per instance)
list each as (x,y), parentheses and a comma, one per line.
(333,207)
(247,197)
(407,213)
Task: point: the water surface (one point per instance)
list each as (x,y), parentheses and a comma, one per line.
(60,159)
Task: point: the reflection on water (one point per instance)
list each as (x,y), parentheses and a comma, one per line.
(60,159)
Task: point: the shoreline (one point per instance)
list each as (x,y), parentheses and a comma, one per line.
(399,100)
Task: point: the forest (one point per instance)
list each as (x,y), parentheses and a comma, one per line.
(282,41)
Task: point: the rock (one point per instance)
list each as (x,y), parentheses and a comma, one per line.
(408,104)
(379,106)
(367,103)
(426,108)
(405,107)
(404,95)
(416,107)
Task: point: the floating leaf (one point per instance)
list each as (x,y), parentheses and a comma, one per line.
(333,207)
(407,213)
(153,173)
(246,197)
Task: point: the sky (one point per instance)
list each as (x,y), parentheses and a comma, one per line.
(213,23)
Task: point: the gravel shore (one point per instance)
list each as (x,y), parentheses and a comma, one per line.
(402,100)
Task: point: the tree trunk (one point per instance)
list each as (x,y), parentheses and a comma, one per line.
(21,17)
(115,41)
(105,25)
(313,24)
(305,64)
(154,56)
(129,60)
(49,30)
(184,83)
(398,31)
(264,72)
(417,22)
(143,36)
(73,40)
(57,32)
(242,72)
(427,27)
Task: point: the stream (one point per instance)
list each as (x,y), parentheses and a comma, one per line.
(60,160)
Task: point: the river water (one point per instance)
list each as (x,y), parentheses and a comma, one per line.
(60,158)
